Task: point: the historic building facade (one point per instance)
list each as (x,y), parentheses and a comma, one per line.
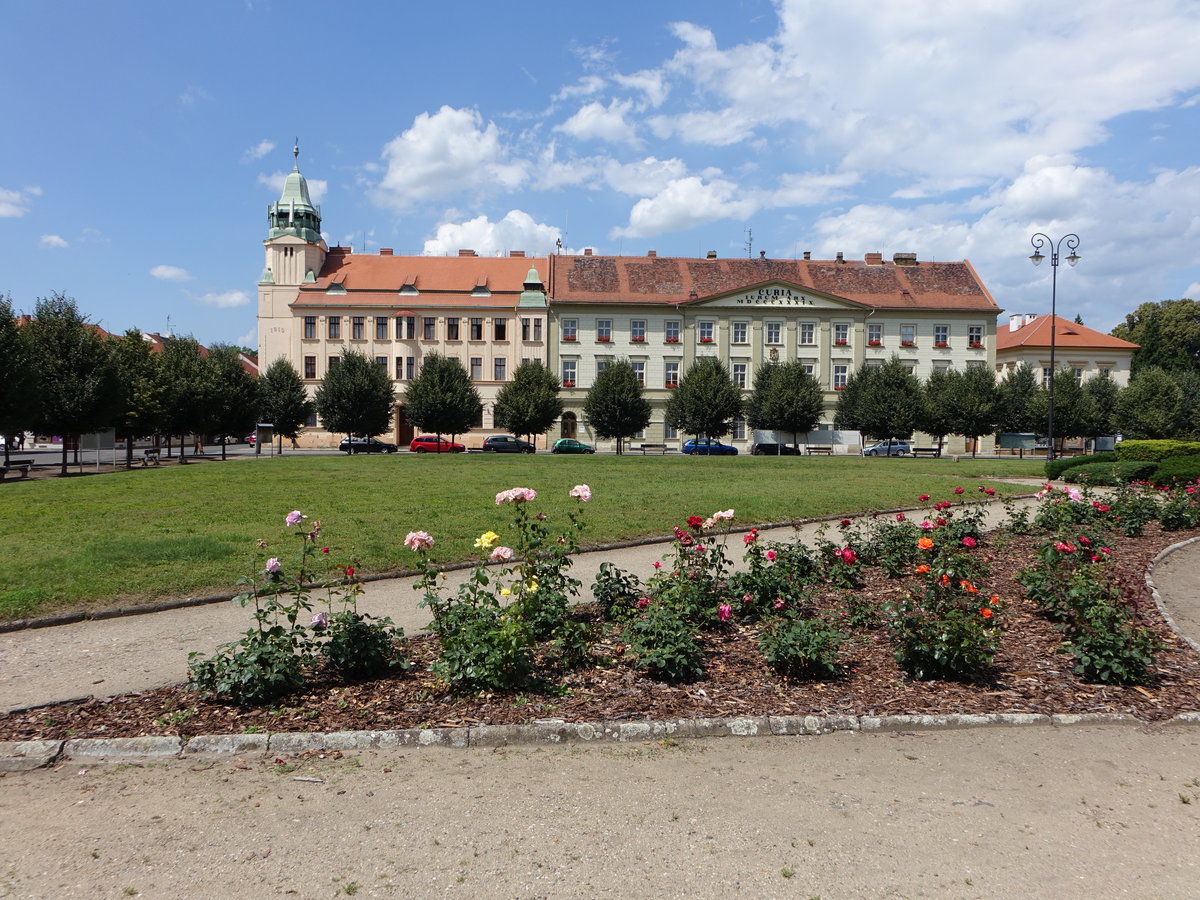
(1083,350)
(578,313)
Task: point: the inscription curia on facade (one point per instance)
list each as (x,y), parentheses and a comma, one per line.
(771,296)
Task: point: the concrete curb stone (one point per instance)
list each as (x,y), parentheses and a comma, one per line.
(1158,600)
(19,756)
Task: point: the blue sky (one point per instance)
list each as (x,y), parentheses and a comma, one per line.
(144,140)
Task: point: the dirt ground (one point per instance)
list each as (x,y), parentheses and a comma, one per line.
(1081,811)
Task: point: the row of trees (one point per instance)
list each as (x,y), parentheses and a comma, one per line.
(61,375)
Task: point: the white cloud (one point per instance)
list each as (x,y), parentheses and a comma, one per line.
(52,240)
(599,122)
(317,187)
(14,204)
(226,300)
(685,203)
(249,339)
(442,154)
(650,83)
(170,273)
(811,188)
(646,176)
(193,95)
(258,151)
(516,231)
(585,87)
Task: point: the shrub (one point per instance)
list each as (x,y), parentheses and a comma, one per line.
(360,646)
(483,648)
(1055,467)
(1155,451)
(1180,509)
(255,670)
(616,590)
(1109,647)
(664,644)
(1110,473)
(942,640)
(1177,470)
(806,648)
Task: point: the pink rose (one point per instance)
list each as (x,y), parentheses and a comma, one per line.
(958,490)
(724,612)
(643,603)
(969,542)
(899,517)
(923,498)
(927,525)
(294,518)
(501,554)
(516,495)
(580,492)
(658,564)
(418,540)
(319,621)
(770,555)
(273,565)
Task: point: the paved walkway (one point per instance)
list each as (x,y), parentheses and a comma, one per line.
(114,656)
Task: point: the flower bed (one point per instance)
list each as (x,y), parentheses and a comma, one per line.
(855,624)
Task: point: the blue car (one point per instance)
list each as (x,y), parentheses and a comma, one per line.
(708,448)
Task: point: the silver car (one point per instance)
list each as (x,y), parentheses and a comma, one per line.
(888,448)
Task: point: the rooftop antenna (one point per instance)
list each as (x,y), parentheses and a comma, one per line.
(558,245)
(749,243)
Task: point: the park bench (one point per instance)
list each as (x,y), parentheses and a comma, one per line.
(16,465)
(150,458)
(653,448)
(819,451)
(927,451)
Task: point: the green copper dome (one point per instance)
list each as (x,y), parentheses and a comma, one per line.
(294,212)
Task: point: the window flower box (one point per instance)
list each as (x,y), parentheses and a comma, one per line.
(841,343)
(874,343)
(672,340)
(602,340)
(568,337)
(568,384)
(942,345)
(672,384)
(976,345)
(838,387)
(638,340)
(908,343)
(706,340)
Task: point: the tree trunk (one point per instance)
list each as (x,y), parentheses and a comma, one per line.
(63,471)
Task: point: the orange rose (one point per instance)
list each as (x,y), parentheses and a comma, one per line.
(922,569)
(925,543)
(986,613)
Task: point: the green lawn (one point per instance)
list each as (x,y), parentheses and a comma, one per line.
(181,531)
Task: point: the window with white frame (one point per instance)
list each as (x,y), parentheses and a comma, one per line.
(1078,373)
(839,377)
(637,330)
(670,373)
(604,329)
(601,365)
(1045,375)
(808,333)
(941,335)
(399,368)
(874,334)
(671,331)
(639,371)
(908,335)
(570,329)
(740,370)
(774,333)
(704,332)
(570,370)
(841,334)
(975,335)
(531,329)
(741,333)
(410,328)
(809,368)
(382,362)
(738,430)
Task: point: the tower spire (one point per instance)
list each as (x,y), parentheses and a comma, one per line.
(294,212)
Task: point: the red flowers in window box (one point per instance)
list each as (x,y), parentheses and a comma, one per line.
(568,384)
(841,343)
(874,343)
(908,343)
(603,340)
(838,387)
(976,345)
(568,337)
(941,345)
(672,384)
(672,340)
(638,340)
(706,340)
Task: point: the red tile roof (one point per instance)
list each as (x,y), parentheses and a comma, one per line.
(1066,334)
(879,285)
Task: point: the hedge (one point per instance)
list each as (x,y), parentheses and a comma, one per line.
(1055,467)
(1111,473)
(1177,470)
(1156,450)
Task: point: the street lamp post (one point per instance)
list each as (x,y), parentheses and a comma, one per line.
(1039,241)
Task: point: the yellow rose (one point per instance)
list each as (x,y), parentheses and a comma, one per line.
(505,592)
(486,541)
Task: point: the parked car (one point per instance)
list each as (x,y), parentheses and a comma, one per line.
(570,445)
(888,448)
(708,448)
(506,443)
(252,438)
(365,445)
(774,450)
(431,443)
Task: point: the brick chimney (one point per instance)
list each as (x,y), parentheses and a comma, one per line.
(874,259)
(652,254)
(587,251)
(385,251)
(467,253)
(904,259)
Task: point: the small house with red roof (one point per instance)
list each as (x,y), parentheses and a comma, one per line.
(1085,351)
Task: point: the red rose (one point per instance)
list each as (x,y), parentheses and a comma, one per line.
(695,521)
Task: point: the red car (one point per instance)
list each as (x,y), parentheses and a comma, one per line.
(430,443)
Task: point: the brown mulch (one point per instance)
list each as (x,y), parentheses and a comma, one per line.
(1028,676)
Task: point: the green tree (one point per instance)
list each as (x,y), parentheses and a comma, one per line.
(1189,384)
(614,405)
(236,398)
(1098,412)
(142,403)
(937,414)
(441,399)
(1151,407)
(973,403)
(529,404)
(18,408)
(1068,407)
(186,390)
(884,401)
(75,379)
(1168,335)
(355,397)
(285,402)
(785,398)
(1017,402)
(706,401)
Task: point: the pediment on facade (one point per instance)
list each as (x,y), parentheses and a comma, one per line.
(773,294)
